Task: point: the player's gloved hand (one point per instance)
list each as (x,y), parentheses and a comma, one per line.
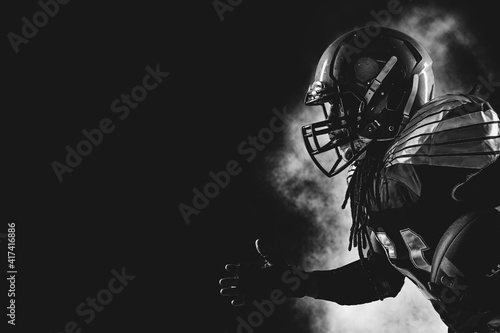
(259,280)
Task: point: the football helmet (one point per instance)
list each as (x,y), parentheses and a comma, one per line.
(372,82)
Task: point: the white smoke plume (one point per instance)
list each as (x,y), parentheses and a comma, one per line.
(327,248)
(297,180)
(443,33)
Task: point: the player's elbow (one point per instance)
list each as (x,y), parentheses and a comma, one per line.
(391,288)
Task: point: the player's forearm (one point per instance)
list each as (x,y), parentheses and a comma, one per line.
(350,285)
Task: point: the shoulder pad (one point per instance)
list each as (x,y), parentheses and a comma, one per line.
(453,130)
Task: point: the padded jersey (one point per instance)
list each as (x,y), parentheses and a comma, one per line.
(446,140)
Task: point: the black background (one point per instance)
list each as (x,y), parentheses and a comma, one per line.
(119,207)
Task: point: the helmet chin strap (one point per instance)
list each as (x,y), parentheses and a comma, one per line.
(409,104)
(380,77)
(375,85)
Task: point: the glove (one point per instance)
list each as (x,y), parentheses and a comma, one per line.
(255,281)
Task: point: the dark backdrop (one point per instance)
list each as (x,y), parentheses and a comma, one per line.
(119,208)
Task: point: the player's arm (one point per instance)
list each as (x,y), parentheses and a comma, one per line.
(358,282)
(481,188)
(355,283)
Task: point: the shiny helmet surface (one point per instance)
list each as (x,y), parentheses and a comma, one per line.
(368,84)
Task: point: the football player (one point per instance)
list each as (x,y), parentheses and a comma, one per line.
(422,186)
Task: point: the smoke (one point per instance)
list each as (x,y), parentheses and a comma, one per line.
(298,181)
(296,177)
(455,51)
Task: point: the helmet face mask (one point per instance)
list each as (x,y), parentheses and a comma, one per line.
(370,95)
(321,139)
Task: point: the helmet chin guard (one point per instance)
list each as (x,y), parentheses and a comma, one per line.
(314,134)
